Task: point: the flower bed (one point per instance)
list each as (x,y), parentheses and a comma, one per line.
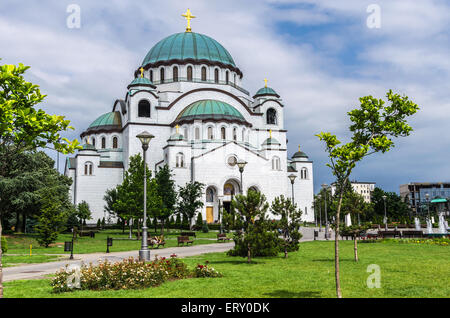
(206,271)
(434,241)
(128,274)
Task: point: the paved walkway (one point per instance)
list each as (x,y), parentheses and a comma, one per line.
(35,271)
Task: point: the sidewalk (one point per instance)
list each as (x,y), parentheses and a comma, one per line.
(36,271)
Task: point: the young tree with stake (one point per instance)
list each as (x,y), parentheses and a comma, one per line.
(373,126)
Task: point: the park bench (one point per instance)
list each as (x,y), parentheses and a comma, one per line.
(184,239)
(188,234)
(222,237)
(158,241)
(87,233)
(393,234)
(410,234)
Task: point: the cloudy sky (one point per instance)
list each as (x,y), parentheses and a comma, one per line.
(320,56)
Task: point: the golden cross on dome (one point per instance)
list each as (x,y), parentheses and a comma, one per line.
(142,71)
(270,133)
(188,17)
(298,148)
(265,82)
(177,127)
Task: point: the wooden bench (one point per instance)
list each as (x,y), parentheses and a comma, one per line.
(393,234)
(410,234)
(87,233)
(158,241)
(188,234)
(184,239)
(222,237)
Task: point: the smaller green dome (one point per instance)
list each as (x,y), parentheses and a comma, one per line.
(176,137)
(210,109)
(271,141)
(106,122)
(299,154)
(88,147)
(266,91)
(142,81)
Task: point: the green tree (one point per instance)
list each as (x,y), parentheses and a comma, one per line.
(83,213)
(256,237)
(190,201)
(396,208)
(22,127)
(290,221)
(52,218)
(199,222)
(166,194)
(373,126)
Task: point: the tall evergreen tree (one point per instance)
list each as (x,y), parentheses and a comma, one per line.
(190,201)
(166,195)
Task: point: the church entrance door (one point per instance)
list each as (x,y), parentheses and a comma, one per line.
(209,214)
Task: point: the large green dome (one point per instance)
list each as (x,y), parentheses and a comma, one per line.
(188,46)
(210,109)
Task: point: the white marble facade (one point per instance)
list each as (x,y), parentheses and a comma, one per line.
(208,146)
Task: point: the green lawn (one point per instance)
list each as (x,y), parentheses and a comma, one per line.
(14,260)
(407,270)
(20,243)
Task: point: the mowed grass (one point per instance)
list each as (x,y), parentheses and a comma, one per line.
(20,243)
(407,270)
(15,260)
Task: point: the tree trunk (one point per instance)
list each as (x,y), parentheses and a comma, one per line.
(1,269)
(249,259)
(285,251)
(356,247)
(336,248)
(17,227)
(24,223)
(162,226)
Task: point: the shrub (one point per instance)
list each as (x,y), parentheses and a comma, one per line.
(4,245)
(128,274)
(199,222)
(205,227)
(206,271)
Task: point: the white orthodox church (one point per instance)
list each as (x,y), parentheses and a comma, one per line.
(188,94)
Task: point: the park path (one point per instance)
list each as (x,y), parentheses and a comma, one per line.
(36,271)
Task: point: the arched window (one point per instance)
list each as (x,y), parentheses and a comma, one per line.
(271,116)
(175,74)
(243,134)
(186,133)
(210,133)
(275,163)
(103,142)
(234,134)
(189,73)
(143,108)
(227,77)
(93,142)
(161,75)
(151,76)
(204,74)
(210,194)
(304,173)
(216,75)
(223,133)
(197,133)
(180,160)
(234,79)
(115,142)
(88,168)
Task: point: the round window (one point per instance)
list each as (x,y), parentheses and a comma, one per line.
(232,160)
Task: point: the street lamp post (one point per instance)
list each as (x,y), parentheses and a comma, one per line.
(320,213)
(292,178)
(324,186)
(385,215)
(241,164)
(144,252)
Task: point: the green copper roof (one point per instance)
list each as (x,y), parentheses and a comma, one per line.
(266,91)
(108,121)
(188,45)
(88,147)
(271,141)
(210,109)
(176,137)
(141,81)
(299,154)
